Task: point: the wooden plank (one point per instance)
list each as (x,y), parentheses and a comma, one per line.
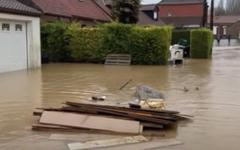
(91,122)
(83,137)
(156,144)
(126,108)
(129,114)
(106,143)
(44,126)
(152,126)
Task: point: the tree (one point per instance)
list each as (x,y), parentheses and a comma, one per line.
(126,11)
(220,10)
(233,7)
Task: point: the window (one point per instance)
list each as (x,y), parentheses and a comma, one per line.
(215,28)
(224,30)
(155,15)
(18,27)
(5,27)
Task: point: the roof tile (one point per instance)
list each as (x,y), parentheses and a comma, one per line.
(73,8)
(14,6)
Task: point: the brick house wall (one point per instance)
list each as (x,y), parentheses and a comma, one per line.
(184,10)
(83,22)
(234,30)
(51,18)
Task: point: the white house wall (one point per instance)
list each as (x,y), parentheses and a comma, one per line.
(33,37)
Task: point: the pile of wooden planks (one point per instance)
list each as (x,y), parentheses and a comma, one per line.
(105,118)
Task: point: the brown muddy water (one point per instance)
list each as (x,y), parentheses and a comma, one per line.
(216,105)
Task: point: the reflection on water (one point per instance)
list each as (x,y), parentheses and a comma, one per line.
(213,97)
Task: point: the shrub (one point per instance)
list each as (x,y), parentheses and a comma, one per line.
(69,42)
(55,42)
(180,34)
(85,44)
(116,38)
(201,43)
(149,45)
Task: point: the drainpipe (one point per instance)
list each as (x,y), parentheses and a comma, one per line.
(205,13)
(212,15)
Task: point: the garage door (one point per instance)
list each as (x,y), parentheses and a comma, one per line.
(13,46)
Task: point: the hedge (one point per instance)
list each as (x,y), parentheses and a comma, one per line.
(201,43)
(55,42)
(85,43)
(146,45)
(181,34)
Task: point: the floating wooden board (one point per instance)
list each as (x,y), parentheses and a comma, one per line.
(91,122)
(140,116)
(156,144)
(106,143)
(83,137)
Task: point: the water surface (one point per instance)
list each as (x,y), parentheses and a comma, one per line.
(216,105)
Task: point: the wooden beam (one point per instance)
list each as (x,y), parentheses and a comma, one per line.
(91,122)
(106,143)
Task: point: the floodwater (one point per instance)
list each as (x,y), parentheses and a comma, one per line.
(216,105)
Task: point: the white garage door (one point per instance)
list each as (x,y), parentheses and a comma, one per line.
(13,46)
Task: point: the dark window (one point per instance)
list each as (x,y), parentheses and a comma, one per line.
(18,27)
(6,27)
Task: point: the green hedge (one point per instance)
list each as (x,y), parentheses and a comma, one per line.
(180,34)
(55,42)
(146,45)
(84,44)
(201,43)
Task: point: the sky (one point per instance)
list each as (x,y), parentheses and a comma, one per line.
(156,1)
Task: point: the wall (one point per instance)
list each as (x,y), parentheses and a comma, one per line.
(51,18)
(234,30)
(33,34)
(181,10)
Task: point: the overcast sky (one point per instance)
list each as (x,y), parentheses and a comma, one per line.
(156,1)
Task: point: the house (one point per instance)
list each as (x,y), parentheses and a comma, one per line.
(226,25)
(151,10)
(19,36)
(148,15)
(183,13)
(234,30)
(87,12)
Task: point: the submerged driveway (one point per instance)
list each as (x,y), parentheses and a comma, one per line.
(213,98)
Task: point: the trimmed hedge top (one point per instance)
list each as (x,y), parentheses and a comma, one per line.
(148,45)
(201,43)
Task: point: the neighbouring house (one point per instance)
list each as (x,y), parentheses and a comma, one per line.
(19,36)
(148,15)
(183,13)
(226,25)
(87,12)
(234,30)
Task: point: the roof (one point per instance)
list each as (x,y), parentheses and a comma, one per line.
(16,7)
(148,7)
(102,4)
(173,2)
(144,19)
(226,19)
(108,2)
(182,21)
(87,9)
